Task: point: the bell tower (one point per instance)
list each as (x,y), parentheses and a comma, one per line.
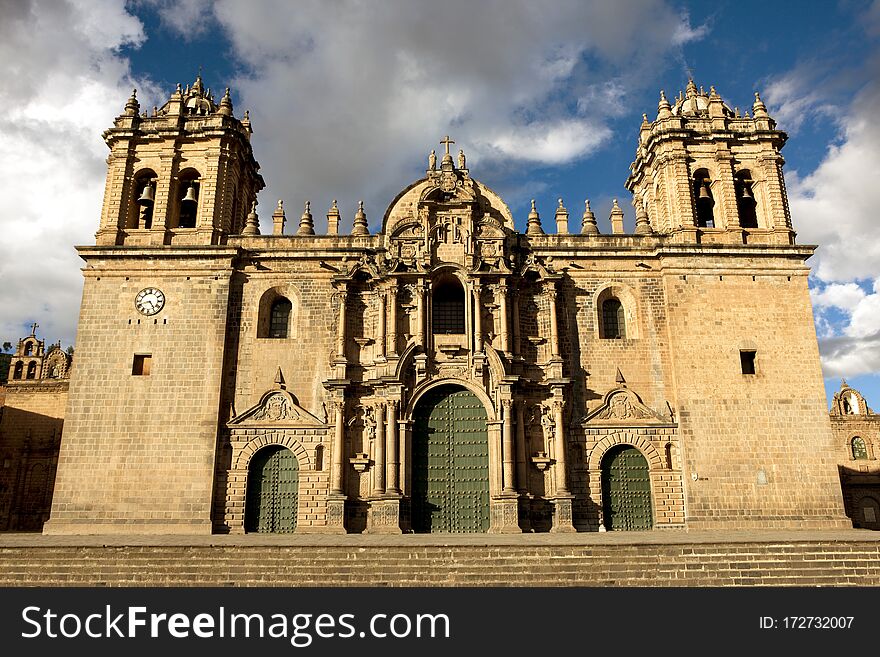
(705,173)
(183,174)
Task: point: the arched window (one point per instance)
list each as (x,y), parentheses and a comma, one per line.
(704,201)
(447,306)
(669,455)
(859,449)
(19,369)
(745,200)
(144,199)
(188,201)
(279,317)
(613,319)
(32,370)
(319,457)
(29,349)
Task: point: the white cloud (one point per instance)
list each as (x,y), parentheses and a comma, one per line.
(62,84)
(347,103)
(189,18)
(796,98)
(846,296)
(836,205)
(556,143)
(849,342)
(685,32)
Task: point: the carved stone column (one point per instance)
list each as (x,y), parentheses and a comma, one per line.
(383,515)
(478,319)
(391,346)
(504,508)
(554,322)
(521,462)
(516,337)
(559,447)
(380,338)
(420,313)
(340,330)
(379,454)
(338,478)
(336,498)
(391,448)
(507,446)
(562,518)
(502,310)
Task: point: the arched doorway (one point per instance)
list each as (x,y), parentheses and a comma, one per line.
(626,489)
(450,463)
(272,491)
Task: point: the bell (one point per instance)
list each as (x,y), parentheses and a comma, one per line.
(146,197)
(704,192)
(746,194)
(190,195)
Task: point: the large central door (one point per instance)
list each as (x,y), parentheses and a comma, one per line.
(272,489)
(450,462)
(626,489)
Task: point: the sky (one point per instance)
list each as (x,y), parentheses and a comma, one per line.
(347,98)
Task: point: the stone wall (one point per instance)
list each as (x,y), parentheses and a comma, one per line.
(758,450)
(31,421)
(139,451)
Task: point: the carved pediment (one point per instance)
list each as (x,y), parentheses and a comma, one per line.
(277,407)
(540,266)
(622,406)
(489,226)
(365,263)
(410,230)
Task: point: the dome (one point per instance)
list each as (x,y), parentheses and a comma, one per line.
(695,102)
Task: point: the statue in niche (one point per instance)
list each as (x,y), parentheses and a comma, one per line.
(547,423)
(369,424)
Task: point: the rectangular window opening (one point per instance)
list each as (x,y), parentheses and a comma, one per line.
(747,360)
(141,364)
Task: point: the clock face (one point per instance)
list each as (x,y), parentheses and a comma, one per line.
(149,301)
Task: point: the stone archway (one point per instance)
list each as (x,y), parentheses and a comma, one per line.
(272,491)
(626,490)
(450,464)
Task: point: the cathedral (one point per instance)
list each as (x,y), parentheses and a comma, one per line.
(445,373)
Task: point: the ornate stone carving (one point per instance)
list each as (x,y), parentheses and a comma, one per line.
(548,424)
(369,423)
(336,513)
(623,405)
(276,407)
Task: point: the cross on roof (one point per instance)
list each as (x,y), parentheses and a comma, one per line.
(34,328)
(446,140)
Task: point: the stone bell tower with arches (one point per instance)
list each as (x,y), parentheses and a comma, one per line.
(180,180)
(183,174)
(708,174)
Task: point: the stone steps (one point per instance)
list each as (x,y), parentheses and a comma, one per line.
(759,564)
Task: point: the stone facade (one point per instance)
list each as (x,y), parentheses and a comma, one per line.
(667,378)
(857,434)
(31,420)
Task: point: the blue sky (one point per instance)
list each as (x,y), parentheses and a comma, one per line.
(348,98)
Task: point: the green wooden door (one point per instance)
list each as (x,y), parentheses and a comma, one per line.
(273,485)
(626,489)
(450,463)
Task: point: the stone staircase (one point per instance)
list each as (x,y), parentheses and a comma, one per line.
(745,563)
